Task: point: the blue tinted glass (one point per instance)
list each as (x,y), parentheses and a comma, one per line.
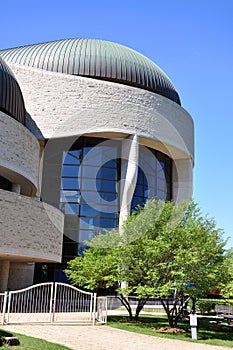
(90,223)
(87,223)
(139,190)
(109,215)
(91,197)
(150,181)
(86,150)
(107,173)
(108,196)
(87,210)
(161,195)
(161,184)
(89,184)
(89,171)
(137,201)
(110,164)
(99,184)
(161,165)
(140,176)
(70,170)
(107,223)
(69,183)
(69,196)
(107,185)
(81,249)
(86,235)
(71,157)
(67,208)
(103,208)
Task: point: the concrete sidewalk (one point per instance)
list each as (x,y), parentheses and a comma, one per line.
(79,337)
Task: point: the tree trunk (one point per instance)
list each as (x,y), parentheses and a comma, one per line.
(173,314)
(126,304)
(193,311)
(169,312)
(141,303)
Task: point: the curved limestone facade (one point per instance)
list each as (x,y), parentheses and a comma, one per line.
(112,134)
(30,230)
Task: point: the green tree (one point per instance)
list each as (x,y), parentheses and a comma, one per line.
(227,288)
(166,251)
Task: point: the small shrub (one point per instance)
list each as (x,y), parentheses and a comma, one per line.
(205,306)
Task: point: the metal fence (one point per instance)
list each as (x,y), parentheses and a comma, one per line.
(48,302)
(224,309)
(59,302)
(114,306)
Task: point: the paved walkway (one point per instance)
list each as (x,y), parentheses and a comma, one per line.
(79,337)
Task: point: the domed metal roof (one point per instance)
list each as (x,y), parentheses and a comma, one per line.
(11,98)
(96,59)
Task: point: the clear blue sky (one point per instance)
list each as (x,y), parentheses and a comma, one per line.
(191,40)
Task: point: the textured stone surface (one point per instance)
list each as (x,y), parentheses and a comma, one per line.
(65,105)
(19,156)
(20,275)
(29,229)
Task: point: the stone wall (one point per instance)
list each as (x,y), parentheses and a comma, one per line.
(19,156)
(30,230)
(66,105)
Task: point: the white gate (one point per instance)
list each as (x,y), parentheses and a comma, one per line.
(73,305)
(48,302)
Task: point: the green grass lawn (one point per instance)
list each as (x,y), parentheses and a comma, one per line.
(30,343)
(146,324)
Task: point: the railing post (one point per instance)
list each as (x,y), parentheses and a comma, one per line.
(52,303)
(9,304)
(4,307)
(106,309)
(94,310)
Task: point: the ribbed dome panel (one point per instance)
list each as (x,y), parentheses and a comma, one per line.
(96,59)
(11,98)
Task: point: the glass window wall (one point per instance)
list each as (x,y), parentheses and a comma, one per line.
(89,188)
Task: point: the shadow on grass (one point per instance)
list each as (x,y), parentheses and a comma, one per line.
(150,324)
(30,343)
(5,333)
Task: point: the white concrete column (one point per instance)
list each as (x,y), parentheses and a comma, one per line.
(4,275)
(40,170)
(129,173)
(16,188)
(182,179)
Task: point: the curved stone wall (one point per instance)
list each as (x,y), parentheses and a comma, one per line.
(30,230)
(19,156)
(86,105)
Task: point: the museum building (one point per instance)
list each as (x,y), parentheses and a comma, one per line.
(89,130)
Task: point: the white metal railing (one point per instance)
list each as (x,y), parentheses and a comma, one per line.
(32,304)
(112,305)
(224,309)
(48,302)
(3,301)
(72,304)
(2,295)
(102,309)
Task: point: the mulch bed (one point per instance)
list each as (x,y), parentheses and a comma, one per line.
(169,330)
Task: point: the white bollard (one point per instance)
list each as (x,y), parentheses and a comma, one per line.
(193,324)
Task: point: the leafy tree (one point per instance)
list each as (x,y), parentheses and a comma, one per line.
(166,251)
(227,288)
